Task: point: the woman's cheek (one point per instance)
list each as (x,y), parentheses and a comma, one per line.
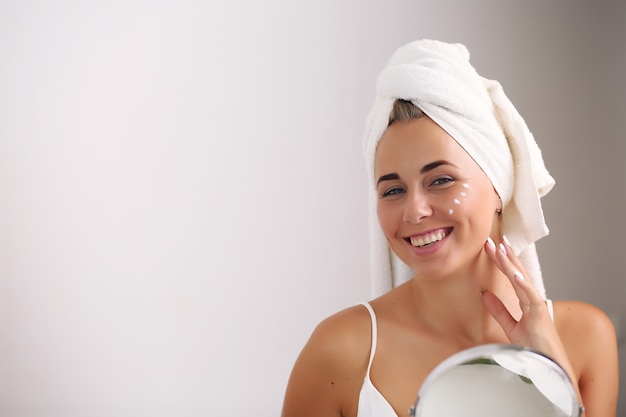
(384,217)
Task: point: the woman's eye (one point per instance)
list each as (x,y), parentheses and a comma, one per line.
(393,191)
(442,180)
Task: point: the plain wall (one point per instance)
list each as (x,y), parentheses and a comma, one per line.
(184,195)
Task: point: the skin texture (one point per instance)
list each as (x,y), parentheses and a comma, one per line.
(465,292)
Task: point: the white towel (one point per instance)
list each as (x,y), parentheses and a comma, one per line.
(438,78)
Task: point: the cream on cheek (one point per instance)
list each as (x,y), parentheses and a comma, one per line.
(462,194)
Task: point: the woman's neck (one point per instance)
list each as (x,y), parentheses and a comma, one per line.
(453,304)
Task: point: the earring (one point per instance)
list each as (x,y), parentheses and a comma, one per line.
(499,212)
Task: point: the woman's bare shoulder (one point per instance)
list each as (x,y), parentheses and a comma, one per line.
(590,340)
(329,371)
(346,332)
(587,332)
(584,319)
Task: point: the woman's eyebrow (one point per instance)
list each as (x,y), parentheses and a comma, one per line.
(426,168)
(432,165)
(388,177)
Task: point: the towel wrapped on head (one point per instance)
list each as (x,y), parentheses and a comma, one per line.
(438,78)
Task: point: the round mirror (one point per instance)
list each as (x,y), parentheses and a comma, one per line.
(497,380)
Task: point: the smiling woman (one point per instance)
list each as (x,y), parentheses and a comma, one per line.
(455,170)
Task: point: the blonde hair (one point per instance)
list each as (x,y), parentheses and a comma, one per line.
(404,111)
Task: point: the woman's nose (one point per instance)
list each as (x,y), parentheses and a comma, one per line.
(417,209)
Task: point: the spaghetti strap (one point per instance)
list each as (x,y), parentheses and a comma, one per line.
(374,336)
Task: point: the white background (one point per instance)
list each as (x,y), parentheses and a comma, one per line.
(183,194)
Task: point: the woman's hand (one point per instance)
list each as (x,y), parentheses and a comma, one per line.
(535,328)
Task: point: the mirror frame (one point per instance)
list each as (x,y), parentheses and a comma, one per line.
(486,354)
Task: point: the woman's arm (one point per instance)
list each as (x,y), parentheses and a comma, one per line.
(590,340)
(328,373)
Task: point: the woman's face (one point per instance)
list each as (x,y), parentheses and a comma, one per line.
(436,207)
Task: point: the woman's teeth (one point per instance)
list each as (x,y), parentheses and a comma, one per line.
(428,239)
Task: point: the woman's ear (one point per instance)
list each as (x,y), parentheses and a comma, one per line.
(498,205)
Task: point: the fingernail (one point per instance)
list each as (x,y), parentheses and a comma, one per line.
(491,243)
(502,249)
(519,276)
(506,240)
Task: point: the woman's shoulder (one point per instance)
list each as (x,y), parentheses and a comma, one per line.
(580,316)
(585,328)
(589,338)
(339,345)
(345,332)
(350,330)
(329,371)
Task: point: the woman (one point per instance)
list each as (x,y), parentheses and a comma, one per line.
(455,173)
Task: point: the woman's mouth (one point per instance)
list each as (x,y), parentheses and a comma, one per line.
(428,239)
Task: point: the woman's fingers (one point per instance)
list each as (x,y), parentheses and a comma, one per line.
(535,327)
(498,311)
(518,276)
(511,266)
